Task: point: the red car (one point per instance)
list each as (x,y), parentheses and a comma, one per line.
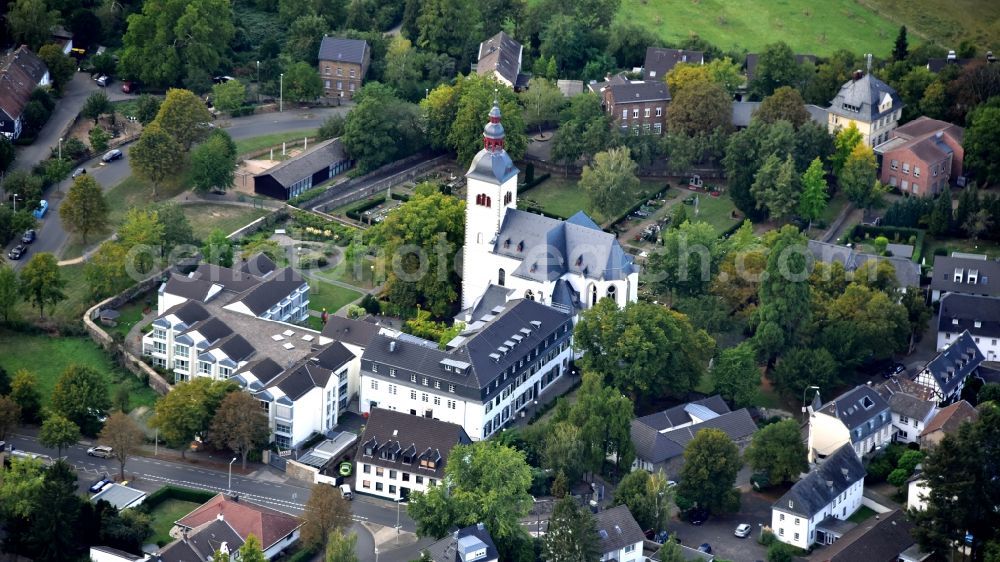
(130,87)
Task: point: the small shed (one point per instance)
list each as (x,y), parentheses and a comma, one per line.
(306,170)
(120,496)
(109,317)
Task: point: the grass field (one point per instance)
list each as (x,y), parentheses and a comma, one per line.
(988,247)
(136,192)
(48,357)
(716,211)
(77,298)
(206,217)
(947,23)
(130,314)
(563,197)
(163,517)
(331,297)
(254,144)
(861,515)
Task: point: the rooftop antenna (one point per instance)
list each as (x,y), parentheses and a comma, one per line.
(869,59)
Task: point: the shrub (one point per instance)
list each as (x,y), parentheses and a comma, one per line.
(898,477)
(780,552)
(767,538)
(371,304)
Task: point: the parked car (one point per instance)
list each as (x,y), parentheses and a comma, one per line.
(102,451)
(742,530)
(79,172)
(345,490)
(43,207)
(706,548)
(697,515)
(99,484)
(894,370)
(130,87)
(112,155)
(28,237)
(16,252)
(102,80)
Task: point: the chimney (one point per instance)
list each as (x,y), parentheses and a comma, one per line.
(392,347)
(858,74)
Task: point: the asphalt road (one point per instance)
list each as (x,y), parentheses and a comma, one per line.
(51,235)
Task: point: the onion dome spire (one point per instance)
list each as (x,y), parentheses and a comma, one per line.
(493,133)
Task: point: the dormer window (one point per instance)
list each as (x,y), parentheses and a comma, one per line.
(867,403)
(959,274)
(579,260)
(520,246)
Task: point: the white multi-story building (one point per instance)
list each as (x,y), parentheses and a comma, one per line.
(499,365)
(859,417)
(571,263)
(910,416)
(620,538)
(832,491)
(400,453)
(978,315)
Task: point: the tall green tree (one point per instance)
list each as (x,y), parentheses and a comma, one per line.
(702,107)
(147,107)
(9,295)
(572,534)
(24,391)
(900,49)
(690,256)
(814,196)
(785,103)
(643,349)
(252,551)
(176,228)
(240,425)
(30,22)
(213,162)
(736,374)
(10,416)
(97,104)
(381,128)
(803,367)
(941,217)
(187,410)
(777,187)
(183,116)
(778,451)
(81,395)
(982,143)
(711,461)
(450,27)
(542,103)
(783,294)
(327,512)
(475,100)
(85,209)
(61,67)
(302,83)
(140,234)
(58,432)
(341,547)
(218,249)
(649,498)
(776,67)
(155,155)
(229,95)
(858,178)
(610,181)
(564,451)
(844,144)
(604,417)
(305,34)
(585,130)
(41,283)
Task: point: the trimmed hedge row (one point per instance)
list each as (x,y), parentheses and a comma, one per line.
(355,212)
(528,185)
(176,493)
(307,196)
(895,234)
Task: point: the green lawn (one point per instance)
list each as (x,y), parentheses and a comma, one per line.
(808,27)
(716,211)
(331,297)
(947,23)
(206,217)
(77,299)
(359,276)
(563,197)
(163,517)
(48,357)
(136,192)
(861,515)
(988,247)
(255,144)
(130,314)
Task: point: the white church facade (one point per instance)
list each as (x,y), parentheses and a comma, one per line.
(513,254)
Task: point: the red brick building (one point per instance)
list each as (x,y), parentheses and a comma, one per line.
(922,157)
(342,66)
(636,106)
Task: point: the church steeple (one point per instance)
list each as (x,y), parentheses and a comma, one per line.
(493,133)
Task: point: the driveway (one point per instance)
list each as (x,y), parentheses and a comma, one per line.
(755,509)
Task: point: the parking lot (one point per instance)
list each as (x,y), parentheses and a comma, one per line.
(755,509)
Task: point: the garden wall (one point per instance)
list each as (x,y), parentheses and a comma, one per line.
(263,222)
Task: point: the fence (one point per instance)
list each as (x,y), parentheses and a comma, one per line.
(385,177)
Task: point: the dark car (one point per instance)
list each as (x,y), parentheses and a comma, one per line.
(112,155)
(17,251)
(100,483)
(706,548)
(79,172)
(28,237)
(894,370)
(697,516)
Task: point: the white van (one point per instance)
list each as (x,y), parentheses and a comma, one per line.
(345,490)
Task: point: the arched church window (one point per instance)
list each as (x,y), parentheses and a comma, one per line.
(501,277)
(593,295)
(507,198)
(612,293)
(483,200)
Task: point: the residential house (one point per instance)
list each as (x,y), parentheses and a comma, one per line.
(884,538)
(399,453)
(917,491)
(937,64)
(469,544)
(500,364)
(659,439)
(202,542)
(968,274)
(859,417)
(636,106)
(910,415)
(814,509)
(500,58)
(921,157)
(342,65)
(945,375)
(64,38)
(946,422)
(21,71)
(620,536)
(870,104)
(120,496)
(979,316)
(108,554)
(275,529)
(660,61)
(907,271)
(304,171)
(753,59)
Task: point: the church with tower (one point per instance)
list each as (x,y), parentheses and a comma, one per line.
(513,254)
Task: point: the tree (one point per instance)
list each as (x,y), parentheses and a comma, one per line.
(26,185)
(218,249)
(783,294)
(85,210)
(124,436)
(81,395)
(802,367)
(899,50)
(572,534)
(690,256)
(183,116)
(785,103)
(177,41)
(30,22)
(140,235)
(777,450)
(777,187)
(99,139)
(585,130)
(858,178)
(61,67)
(240,424)
(776,67)
(147,107)
(229,95)
(341,547)
(448,26)
(844,144)
(610,181)
(736,374)
(187,411)
(41,282)
(726,73)
(9,296)
(56,517)
(564,450)
(814,196)
(10,416)
(97,104)
(176,228)
(699,108)
(326,512)
(58,432)
(304,36)
(485,482)
(474,102)
(252,551)
(332,127)
(302,83)
(381,128)
(648,498)
(155,155)
(542,103)
(643,349)
(604,417)
(940,219)
(990,392)
(711,461)
(213,162)
(7,153)
(24,392)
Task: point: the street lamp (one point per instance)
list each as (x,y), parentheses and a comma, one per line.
(258,81)
(60,148)
(806,389)
(230,487)
(281,92)
(398,502)
(15,202)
